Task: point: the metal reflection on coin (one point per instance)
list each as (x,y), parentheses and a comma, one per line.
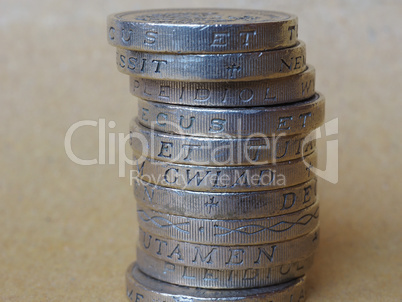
(255,150)
(221,279)
(141,287)
(244,257)
(202,30)
(269,92)
(301,117)
(224,205)
(227,178)
(248,66)
(230,232)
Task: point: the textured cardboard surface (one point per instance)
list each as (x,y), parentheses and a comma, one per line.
(69,231)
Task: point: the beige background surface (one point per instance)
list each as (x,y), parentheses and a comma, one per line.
(68,231)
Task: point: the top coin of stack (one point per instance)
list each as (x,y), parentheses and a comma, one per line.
(227,105)
(186,31)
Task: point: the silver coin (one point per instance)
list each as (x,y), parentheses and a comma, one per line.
(302,117)
(229,232)
(211,205)
(228,257)
(225,179)
(248,66)
(271,92)
(141,288)
(217,151)
(202,30)
(221,279)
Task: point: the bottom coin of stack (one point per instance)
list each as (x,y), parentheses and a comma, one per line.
(140,287)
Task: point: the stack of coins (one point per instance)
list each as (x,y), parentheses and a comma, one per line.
(224,147)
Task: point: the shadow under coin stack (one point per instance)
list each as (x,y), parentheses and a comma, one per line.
(224,147)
